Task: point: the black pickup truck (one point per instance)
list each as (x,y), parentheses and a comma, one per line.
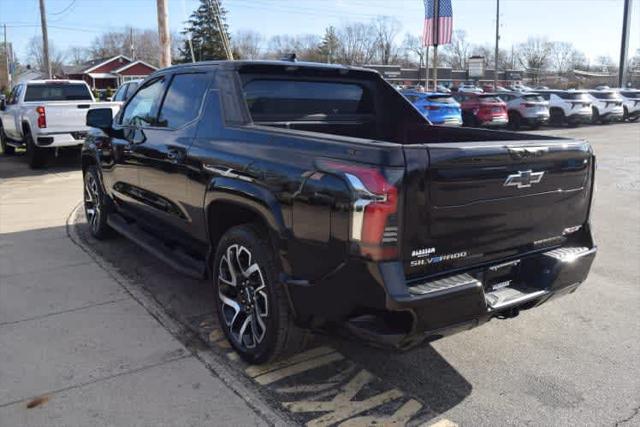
(315,196)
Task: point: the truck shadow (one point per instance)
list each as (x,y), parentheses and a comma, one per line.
(16,166)
(413,387)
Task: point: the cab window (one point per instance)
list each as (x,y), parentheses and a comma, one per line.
(183,99)
(142,109)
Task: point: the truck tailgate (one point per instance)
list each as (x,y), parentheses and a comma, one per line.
(472,202)
(66,116)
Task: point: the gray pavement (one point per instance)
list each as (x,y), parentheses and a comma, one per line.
(74,339)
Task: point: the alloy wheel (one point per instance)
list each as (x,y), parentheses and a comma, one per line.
(243,295)
(92,206)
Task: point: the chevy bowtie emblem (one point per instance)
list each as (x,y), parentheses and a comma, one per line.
(523,179)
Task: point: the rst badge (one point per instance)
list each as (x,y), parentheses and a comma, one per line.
(523,179)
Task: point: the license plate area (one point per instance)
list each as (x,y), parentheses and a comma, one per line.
(501,275)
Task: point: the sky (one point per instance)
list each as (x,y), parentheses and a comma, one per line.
(592,26)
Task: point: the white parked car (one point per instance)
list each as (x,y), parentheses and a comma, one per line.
(567,106)
(469,88)
(606,106)
(125,91)
(46,115)
(630,104)
(528,109)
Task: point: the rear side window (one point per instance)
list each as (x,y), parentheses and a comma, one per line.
(182,102)
(57,92)
(302,98)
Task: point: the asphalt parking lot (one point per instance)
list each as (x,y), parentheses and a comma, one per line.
(573,361)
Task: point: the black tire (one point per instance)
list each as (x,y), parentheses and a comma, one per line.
(96,207)
(595,116)
(36,157)
(7,149)
(557,117)
(625,114)
(515,120)
(248,295)
(634,118)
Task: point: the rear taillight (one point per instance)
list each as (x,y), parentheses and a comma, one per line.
(431,107)
(42,117)
(374,228)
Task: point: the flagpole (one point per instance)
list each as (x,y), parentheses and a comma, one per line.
(436,19)
(425,53)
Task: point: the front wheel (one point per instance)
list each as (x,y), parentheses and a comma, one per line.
(6,148)
(595,116)
(95,206)
(252,305)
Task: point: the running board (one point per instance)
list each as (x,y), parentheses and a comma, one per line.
(176,259)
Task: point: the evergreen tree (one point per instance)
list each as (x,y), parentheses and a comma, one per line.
(329,46)
(205,33)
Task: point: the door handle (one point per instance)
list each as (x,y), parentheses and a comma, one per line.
(175,155)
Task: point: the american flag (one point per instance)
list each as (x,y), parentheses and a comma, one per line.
(437,33)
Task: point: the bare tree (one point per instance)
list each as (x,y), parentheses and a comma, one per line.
(458,51)
(305,47)
(77,55)
(247,44)
(131,42)
(534,55)
(357,43)
(35,57)
(412,50)
(386,29)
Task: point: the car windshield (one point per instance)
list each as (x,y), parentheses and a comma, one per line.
(442,99)
(57,92)
(575,96)
(533,98)
(604,95)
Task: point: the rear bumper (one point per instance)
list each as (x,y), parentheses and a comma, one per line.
(612,116)
(467,300)
(60,139)
(536,119)
(582,117)
(365,294)
(494,121)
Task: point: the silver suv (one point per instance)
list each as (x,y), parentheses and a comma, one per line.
(528,109)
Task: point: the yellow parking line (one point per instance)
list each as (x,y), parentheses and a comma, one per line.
(290,370)
(254,371)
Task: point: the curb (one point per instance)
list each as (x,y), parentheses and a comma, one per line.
(192,343)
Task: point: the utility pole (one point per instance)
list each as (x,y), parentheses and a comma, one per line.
(223,33)
(624,44)
(45,39)
(495,68)
(7,58)
(163,33)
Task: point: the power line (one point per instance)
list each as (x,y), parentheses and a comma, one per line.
(65,9)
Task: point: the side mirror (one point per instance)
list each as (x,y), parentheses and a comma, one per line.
(101,118)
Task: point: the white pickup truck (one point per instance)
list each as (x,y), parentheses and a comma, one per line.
(46,115)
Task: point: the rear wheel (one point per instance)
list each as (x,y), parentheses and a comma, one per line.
(251,303)
(625,114)
(557,117)
(96,208)
(595,116)
(6,148)
(36,156)
(515,120)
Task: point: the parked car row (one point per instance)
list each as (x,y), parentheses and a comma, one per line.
(526,108)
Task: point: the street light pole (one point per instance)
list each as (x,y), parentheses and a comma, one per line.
(45,39)
(624,44)
(495,67)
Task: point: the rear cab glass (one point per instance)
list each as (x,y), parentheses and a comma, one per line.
(57,92)
(272,97)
